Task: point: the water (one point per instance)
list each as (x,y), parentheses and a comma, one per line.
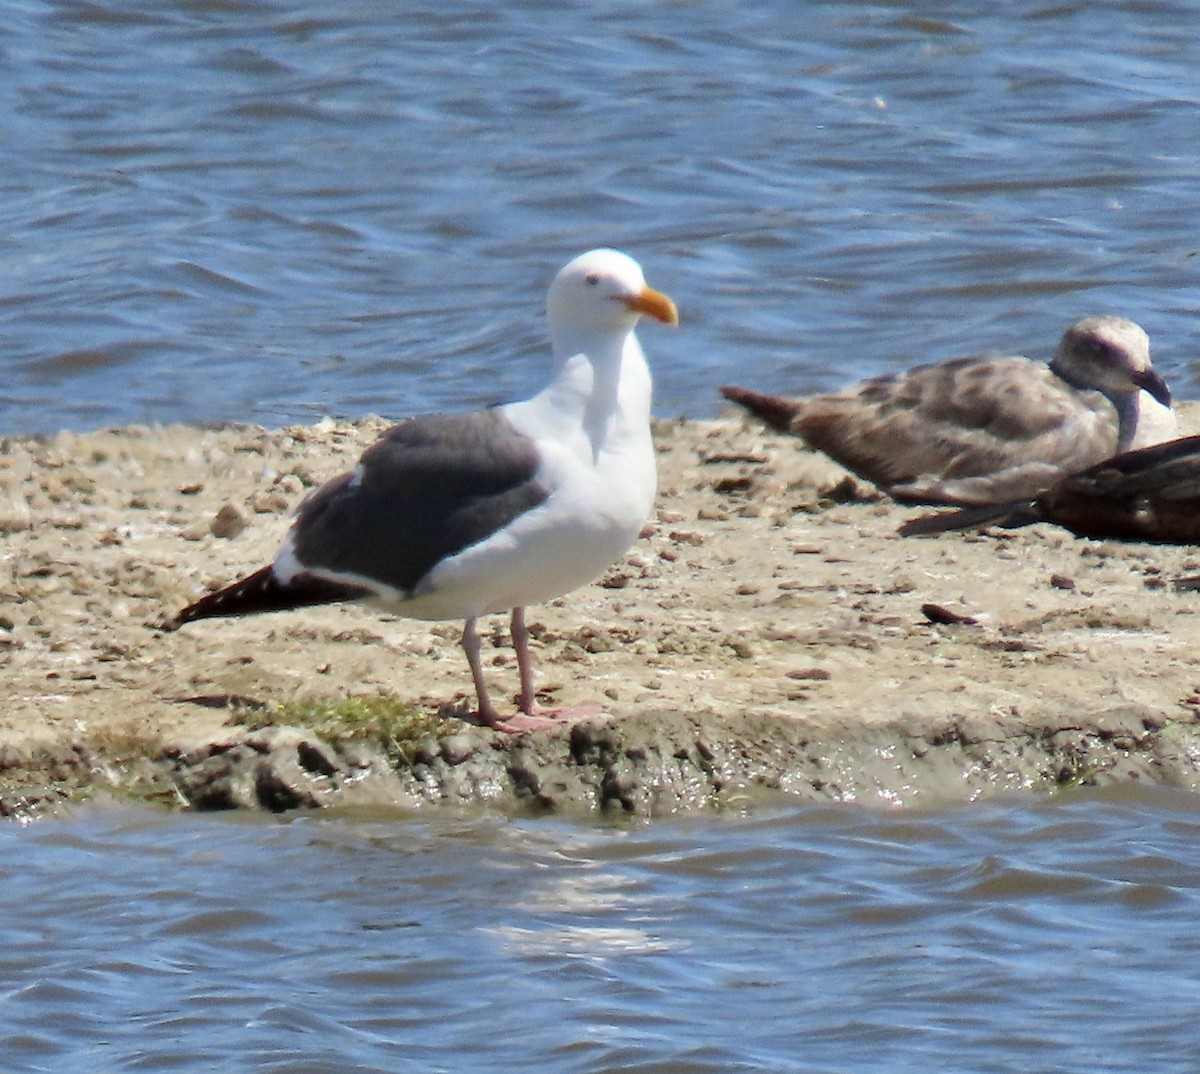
(217,210)
(221,210)
(1025,935)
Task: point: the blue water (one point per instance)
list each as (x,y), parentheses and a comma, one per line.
(1019,936)
(268,211)
(251,210)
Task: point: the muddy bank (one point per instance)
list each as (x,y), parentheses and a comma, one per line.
(768,634)
(659,763)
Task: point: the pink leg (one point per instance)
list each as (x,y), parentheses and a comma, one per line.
(536,716)
(520,638)
(531,718)
(473,647)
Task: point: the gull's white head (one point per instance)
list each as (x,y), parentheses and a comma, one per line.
(1111,354)
(604,291)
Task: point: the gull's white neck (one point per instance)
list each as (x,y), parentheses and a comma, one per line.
(599,397)
(1142,421)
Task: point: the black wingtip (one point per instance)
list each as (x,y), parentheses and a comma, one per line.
(251,594)
(263,592)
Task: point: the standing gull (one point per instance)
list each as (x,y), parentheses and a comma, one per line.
(454,516)
(982,430)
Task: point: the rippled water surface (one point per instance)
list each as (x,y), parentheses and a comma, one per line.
(267,211)
(1022,936)
(259,210)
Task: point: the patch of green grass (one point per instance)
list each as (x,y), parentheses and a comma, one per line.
(385,721)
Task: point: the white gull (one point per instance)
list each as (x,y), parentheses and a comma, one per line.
(454,516)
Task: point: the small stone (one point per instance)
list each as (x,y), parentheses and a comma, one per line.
(686,537)
(593,640)
(814,674)
(457,748)
(727,485)
(427,750)
(270,502)
(15,517)
(229,521)
(741,648)
(936,613)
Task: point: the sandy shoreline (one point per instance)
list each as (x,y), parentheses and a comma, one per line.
(765,633)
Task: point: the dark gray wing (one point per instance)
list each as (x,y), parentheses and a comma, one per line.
(428,488)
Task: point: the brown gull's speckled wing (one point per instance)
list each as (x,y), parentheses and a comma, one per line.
(970,430)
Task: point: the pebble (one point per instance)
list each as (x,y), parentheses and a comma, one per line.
(229,521)
(812,674)
(740,647)
(457,748)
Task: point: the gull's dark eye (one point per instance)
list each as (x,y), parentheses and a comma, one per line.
(592,279)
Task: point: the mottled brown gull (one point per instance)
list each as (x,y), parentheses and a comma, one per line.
(982,430)
(454,516)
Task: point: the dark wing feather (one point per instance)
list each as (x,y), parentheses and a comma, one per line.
(974,516)
(1152,494)
(263,592)
(428,488)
